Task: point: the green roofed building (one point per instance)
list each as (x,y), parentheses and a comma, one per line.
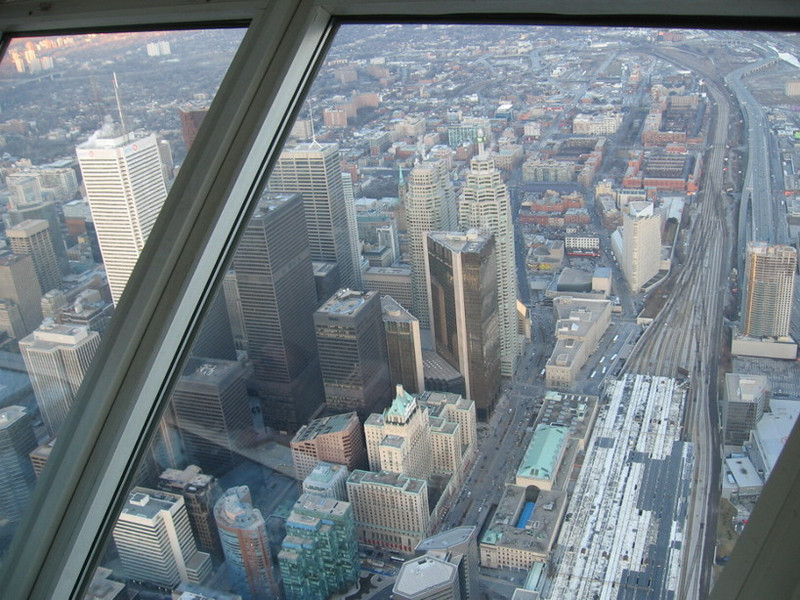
(543,456)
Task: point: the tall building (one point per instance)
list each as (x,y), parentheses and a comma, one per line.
(403,346)
(746,399)
(328,480)
(277,295)
(243,533)
(430,205)
(319,555)
(211,409)
(191,118)
(336,439)
(390,509)
(399,439)
(314,170)
(641,235)
(391,281)
(22,294)
(16,471)
(459,547)
(215,338)
(427,578)
(486,206)
(462,290)
(32,237)
(200,493)
(233,304)
(352,352)
(125,187)
(57,357)
(768,289)
(154,540)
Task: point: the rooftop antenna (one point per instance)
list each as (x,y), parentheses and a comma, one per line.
(118,95)
(311,118)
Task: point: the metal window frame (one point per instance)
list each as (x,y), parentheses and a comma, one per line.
(124,392)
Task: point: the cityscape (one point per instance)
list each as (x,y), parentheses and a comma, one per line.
(513,315)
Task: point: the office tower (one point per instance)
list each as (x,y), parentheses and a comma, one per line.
(355,245)
(125,188)
(154,540)
(387,236)
(57,357)
(768,289)
(215,338)
(328,480)
(399,439)
(746,399)
(191,119)
(337,439)
(276,289)
(459,547)
(457,409)
(403,346)
(16,472)
(485,205)
(233,304)
(200,493)
(211,409)
(22,293)
(641,235)
(391,281)
(314,171)
(430,206)
(45,211)
(462,289)
(427,578)
(352,352)
(319,555)
(40,455)
(32,237)
(243,533)
(326,280)
(390,509)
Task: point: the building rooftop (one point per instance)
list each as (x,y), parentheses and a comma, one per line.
(325,472)
(743,471)
(324,426)
(322,505)
(544,450)
(472,241)
(773,429)
(345,302)
(420,576)
(147,503)
(745,388)
(400,271)
(402,406)
(393,311)
(388,478)
(446,539)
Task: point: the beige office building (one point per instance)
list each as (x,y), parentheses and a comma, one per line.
(337,439)
(641,235)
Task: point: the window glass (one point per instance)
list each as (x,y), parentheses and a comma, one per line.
(483,295)
(93,129)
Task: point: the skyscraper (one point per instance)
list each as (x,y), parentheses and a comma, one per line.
(314,170)
(125,187)
(32,237)
(403,345)
(337,439)
(200,493)
(641,234)
(22,294)
(768,289)
(462,289)
(154,540)
(352,352)
(212,412)
(243,533)
(57,357)
(430,206)
(16,471)
(485,205)
(277,295)
(319,555)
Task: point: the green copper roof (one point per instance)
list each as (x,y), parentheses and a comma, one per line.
(401,406)
(541,457)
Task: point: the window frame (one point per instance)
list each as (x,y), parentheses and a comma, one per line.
(125,391)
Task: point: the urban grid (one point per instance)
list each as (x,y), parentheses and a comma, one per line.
(513,315)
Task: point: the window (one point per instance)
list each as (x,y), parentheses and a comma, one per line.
(275,57)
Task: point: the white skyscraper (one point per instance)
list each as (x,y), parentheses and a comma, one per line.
(485,205)
(125,187)
(155,542)
(430,206)
(57,357)
(641,235)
